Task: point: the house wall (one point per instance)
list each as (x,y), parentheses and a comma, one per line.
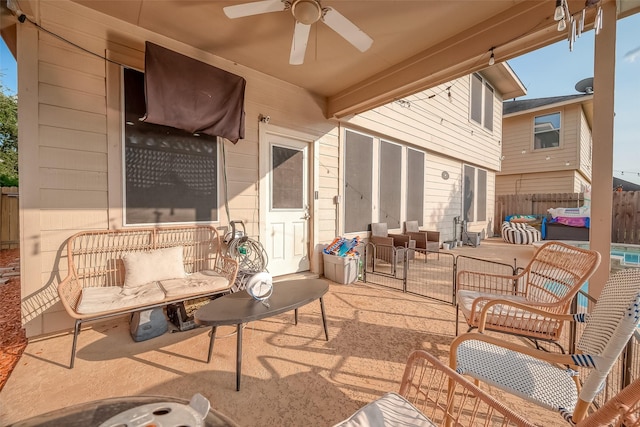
(70,151)
(440,124)
(585,158)
(551,170)
(71,145)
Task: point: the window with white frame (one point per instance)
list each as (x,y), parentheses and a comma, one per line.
(546,131)
(383,182)
(474,189)
(482,99)
(170,175)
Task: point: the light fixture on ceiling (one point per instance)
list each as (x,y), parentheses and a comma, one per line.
(492,58)
(306,12)
(524,151)
(562,25)
(559,13)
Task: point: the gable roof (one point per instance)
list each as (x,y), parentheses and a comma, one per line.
(513,107)
(626,185)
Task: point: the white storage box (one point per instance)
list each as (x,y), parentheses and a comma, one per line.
(343,270)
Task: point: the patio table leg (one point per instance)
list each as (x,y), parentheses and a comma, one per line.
(324,320)
(239,357)
(211,341)
(295,316)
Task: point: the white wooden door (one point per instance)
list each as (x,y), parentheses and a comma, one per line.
(288,215)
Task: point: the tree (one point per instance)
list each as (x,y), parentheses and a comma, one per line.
(8,138)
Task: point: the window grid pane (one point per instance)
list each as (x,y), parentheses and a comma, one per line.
(469,186)
(476,98)
(390,183)
(358,158)
(415,186)
(481,208)
(488,107)
(547,131)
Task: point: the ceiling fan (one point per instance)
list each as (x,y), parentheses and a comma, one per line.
(305,13)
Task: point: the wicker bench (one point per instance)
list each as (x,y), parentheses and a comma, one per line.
(116,272)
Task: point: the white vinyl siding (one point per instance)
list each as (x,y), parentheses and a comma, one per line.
(71,175)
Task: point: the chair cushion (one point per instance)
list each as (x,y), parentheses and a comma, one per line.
(145,267)
(107,298)
(519,374)
(390,410)
(379,229)
(506,316)
(411,227)
(200,282)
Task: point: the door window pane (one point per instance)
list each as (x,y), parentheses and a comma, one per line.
(390,183)
(287,185)
(358,154)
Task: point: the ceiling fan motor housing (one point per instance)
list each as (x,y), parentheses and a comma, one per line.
(306,11)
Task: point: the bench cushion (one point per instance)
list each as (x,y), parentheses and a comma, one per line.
(101,299)
(200,282)
(146,267)
(388,411)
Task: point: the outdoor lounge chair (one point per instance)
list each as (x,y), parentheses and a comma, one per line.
(535,375)
(390,247)
(423,400)
(513,304)
(427,240)
(433,394)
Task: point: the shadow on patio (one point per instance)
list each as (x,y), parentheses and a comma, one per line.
(291,376)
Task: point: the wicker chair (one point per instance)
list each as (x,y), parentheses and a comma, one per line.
(535,375)
(428,240)
(432,394)
(390,247)
(508,304)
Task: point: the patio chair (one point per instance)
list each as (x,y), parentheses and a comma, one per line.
(390,247)
(432,394)
(536,376)
(427,240)
(512,303)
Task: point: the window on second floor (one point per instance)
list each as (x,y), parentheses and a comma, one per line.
(482,95)
(546,131)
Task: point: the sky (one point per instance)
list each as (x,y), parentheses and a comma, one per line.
(550,71)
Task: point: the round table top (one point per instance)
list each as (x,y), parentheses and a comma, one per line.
(240,307)
(97,412)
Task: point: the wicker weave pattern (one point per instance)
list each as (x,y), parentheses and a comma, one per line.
(447,398)
(535,375)
(548,283)
(95,257)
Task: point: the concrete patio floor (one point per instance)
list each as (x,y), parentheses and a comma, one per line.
(291,375)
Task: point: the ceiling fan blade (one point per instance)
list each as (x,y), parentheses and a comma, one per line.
(254,8)
(299,43)
(347,29)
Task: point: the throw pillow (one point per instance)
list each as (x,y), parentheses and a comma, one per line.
(144,267)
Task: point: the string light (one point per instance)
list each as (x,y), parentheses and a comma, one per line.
(492,58)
